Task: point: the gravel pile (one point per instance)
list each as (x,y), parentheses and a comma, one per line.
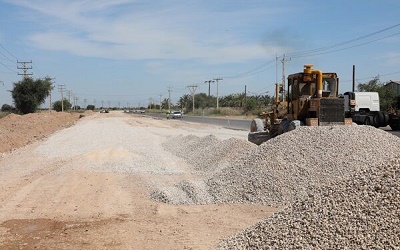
(185,192)
(281,169)
(208,154)
(360,212)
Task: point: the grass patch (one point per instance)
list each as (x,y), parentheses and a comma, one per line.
(3,114)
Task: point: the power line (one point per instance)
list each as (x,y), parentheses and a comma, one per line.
(353,46)
(300,53)
(1,45)
(372,77)
(6,57)
(253,71)
(35,69)
(318,51)
(9,67)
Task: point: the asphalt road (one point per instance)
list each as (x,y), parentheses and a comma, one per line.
(240,124)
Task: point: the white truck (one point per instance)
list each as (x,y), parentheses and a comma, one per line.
(363,108)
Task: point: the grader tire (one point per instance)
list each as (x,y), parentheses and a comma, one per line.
(257,125)
(295,124)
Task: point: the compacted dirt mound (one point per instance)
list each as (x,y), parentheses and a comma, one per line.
(19,130)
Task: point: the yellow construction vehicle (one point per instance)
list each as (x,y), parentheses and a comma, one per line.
(312,100)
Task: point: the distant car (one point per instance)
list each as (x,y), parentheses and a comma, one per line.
(104,111)
(176,114)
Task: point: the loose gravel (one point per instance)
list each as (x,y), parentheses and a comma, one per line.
(208,154)
(340,186)
(281,169)
(360,212)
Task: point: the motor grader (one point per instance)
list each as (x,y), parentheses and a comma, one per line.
(312,100)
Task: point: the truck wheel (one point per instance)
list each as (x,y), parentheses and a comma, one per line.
(257,125)
(367,121)
(379,119)
(387,118)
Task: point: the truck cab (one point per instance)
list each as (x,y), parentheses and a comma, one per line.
(364,109)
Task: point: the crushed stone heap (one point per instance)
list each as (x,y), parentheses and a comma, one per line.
(279,170)
(359,212)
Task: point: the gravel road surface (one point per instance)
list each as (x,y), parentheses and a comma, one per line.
(88,187)
(121,181)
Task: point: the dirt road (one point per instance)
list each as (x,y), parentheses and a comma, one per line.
(87,187)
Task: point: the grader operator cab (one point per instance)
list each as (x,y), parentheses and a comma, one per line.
(312,100)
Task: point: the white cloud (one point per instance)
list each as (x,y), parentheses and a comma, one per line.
(139,30)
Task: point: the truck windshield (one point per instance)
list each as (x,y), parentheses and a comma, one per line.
(329,86)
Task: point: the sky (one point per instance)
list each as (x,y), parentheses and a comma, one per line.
(129,53)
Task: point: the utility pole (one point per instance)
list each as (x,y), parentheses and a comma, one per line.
(354,78)
(169,98)
(209,82)
(75,102)
(217,80)
(24,68)
(52,81)
(160,101)
(284,60)
(192,89)
(245,95)
(69,92)
(276,68)
(61,88)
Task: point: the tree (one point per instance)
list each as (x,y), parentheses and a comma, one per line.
(7,108)
(90,107)
(164,103)
(202,100)
(57,106)
(28,94)
(251,104)
(396,104)
(232,100)
(371,86)
(185,102)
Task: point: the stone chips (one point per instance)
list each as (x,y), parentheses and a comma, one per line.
(340,186)
(361,212)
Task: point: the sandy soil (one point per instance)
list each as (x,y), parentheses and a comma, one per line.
(19,130)
(57,203)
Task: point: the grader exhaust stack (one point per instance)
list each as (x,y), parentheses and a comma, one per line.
(308,72)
